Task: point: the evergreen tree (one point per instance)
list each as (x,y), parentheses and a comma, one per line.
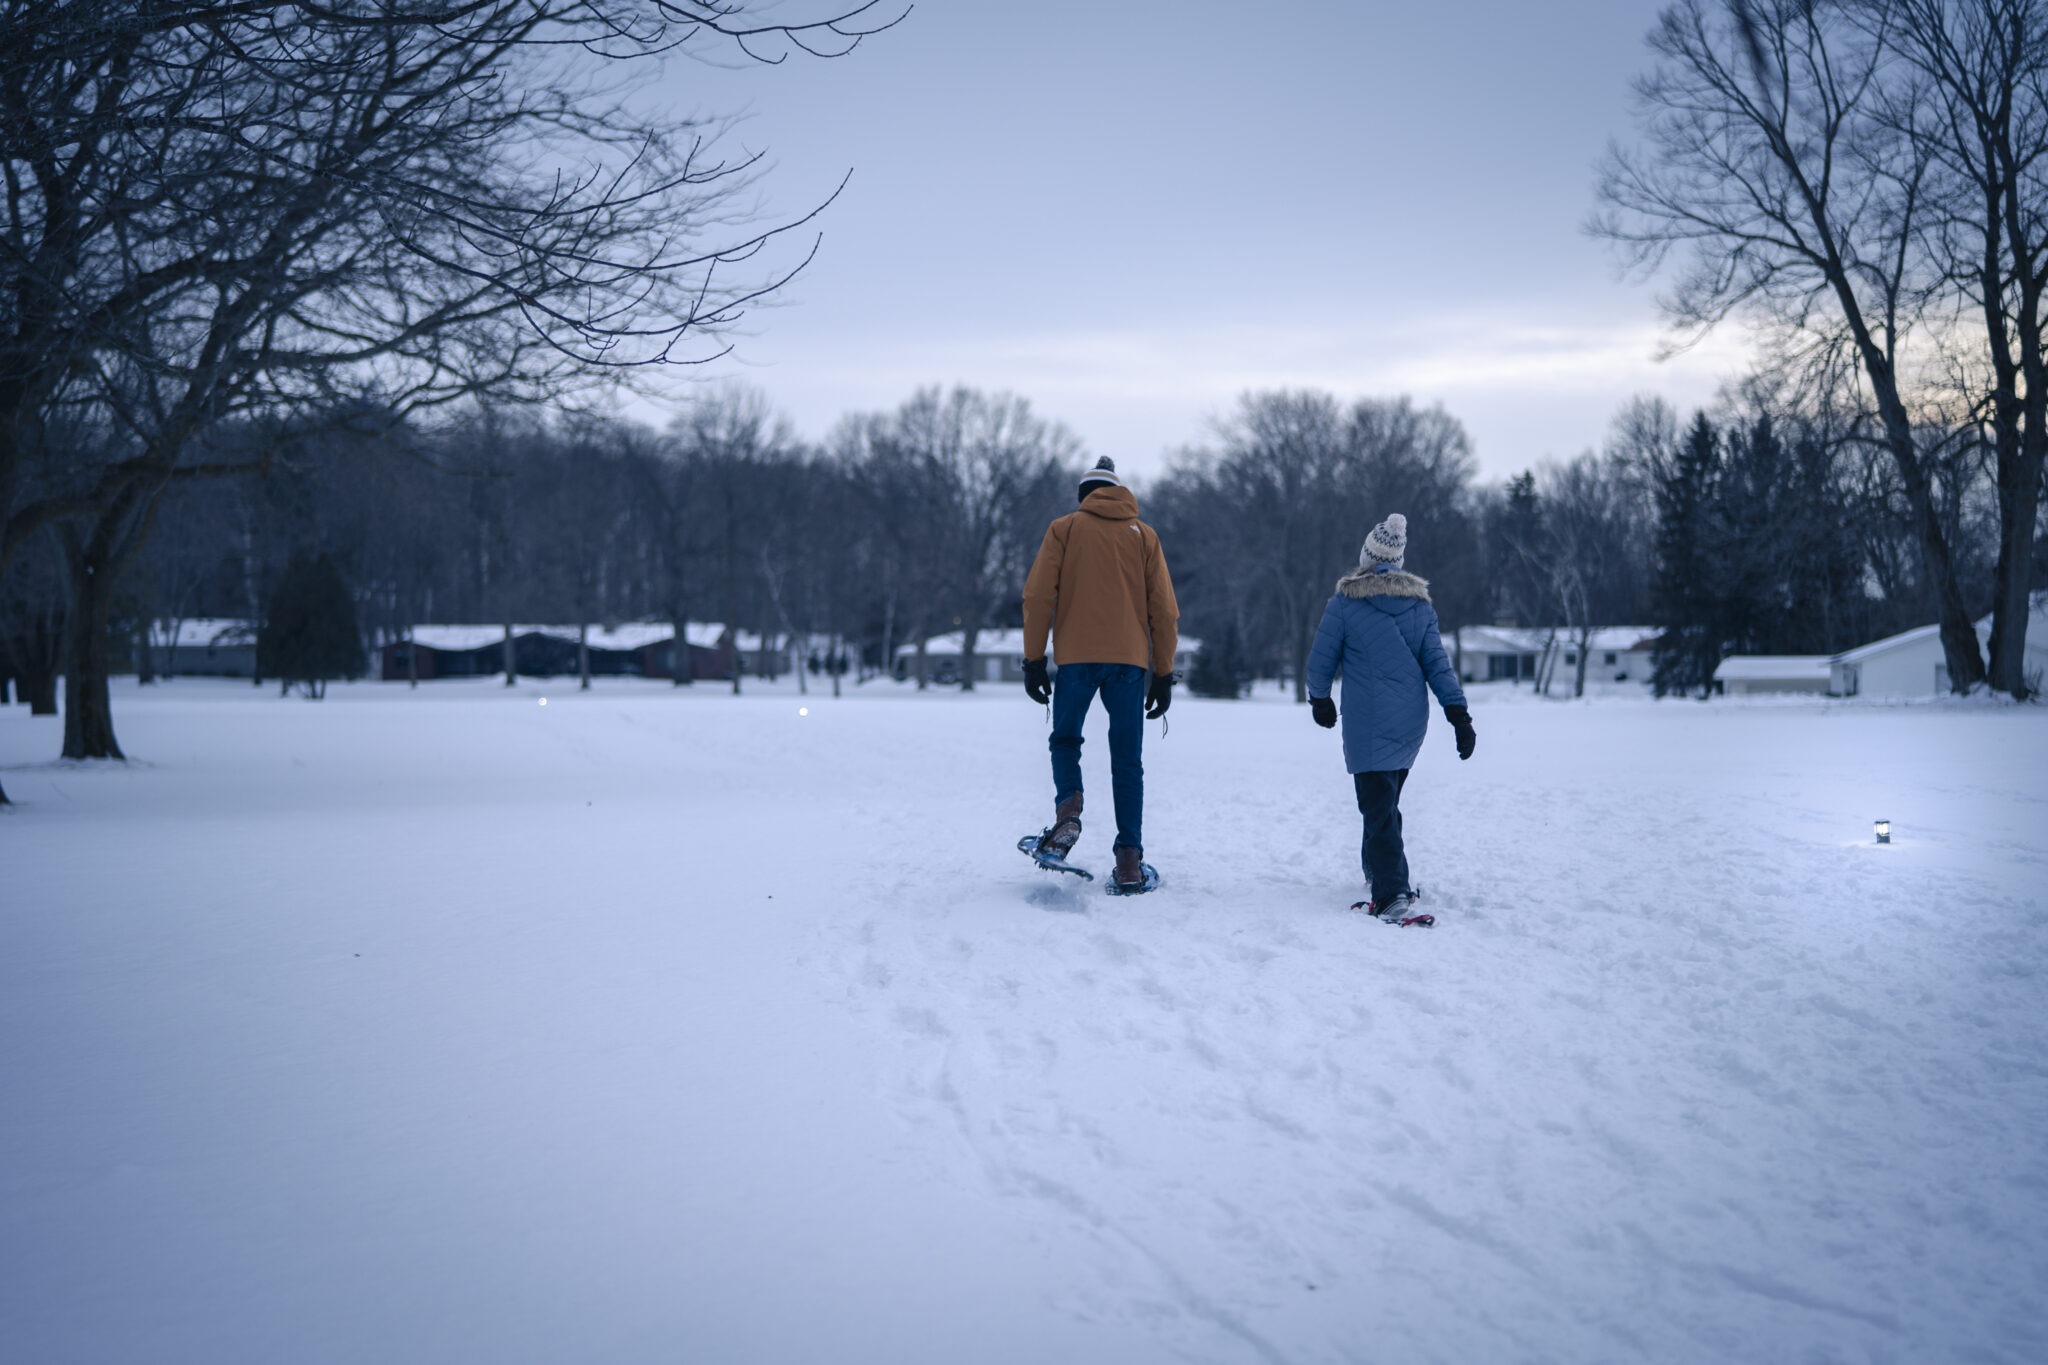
(309,634)
(1683,597)
(1220,668)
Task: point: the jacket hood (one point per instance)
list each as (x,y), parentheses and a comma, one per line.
(1112,504)
(1362,583)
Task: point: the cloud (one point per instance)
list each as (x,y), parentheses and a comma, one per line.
(1204,363)
(1525,389)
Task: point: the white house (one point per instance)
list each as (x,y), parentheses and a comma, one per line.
(998,656)
(1518,653)
(1909,664)
(1496,653)
(1913,663)
(1749,674)
(203,648)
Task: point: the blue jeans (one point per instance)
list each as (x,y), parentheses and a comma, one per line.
(1123,695)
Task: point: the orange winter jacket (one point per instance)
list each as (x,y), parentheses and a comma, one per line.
(1100,586)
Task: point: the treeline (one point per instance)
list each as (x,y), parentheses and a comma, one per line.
(1767,527)
(1759,529)
(903,524)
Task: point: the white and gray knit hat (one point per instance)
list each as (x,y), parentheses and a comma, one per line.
(1103,475)
(1386,545)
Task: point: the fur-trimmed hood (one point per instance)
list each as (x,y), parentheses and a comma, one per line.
(1395,583)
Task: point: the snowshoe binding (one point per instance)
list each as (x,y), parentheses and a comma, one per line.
(1398,910)
(1134,876)
(1049,847)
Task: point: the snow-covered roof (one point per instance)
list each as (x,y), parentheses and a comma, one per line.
(1532,639)
(1890,642)
(631,635)
(202,633)
(2037,626)
(997,642)
(628,636)
(464,637)
(1773,668)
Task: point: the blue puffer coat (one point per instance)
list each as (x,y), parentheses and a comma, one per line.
(1382,632)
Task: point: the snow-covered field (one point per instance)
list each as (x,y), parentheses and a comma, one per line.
(641,1026)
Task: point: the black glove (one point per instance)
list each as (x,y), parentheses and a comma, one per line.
(1037,685)
(1324,710)
(1159,696)
(1461,723)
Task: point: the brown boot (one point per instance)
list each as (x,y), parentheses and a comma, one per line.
(1058,841)
(1130,868)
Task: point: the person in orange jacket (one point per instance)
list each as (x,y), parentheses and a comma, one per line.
(1100,587)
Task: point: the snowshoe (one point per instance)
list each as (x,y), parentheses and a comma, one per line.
(1032,847)
(1395,910)
(1134,877)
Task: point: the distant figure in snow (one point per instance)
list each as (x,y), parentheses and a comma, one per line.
(1381,632)
(1101,588)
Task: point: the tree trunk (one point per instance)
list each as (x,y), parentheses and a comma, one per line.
(37,661)
(511,661)
(970,633)
(1958,636)
(1585,648)
(145,672)
(682,669)
(1304,641)
(2019,500)
(412,658)
(88,707)
(583,656)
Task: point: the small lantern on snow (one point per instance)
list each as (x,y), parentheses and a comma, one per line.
(1884,831)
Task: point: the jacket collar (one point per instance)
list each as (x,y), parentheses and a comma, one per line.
(1383,583)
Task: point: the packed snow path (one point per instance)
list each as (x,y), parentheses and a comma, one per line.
(645,1026)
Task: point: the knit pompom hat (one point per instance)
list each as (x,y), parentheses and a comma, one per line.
(1386,545)
(1103,475)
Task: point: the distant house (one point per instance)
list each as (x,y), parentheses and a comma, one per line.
(1913,663)
(636,649)
(710,652)
(1909,664)
(1520,653)
(998,656)
(1748,674)
(1496,653)
(446,652)
(205,648)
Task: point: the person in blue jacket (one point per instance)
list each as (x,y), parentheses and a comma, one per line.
(1380,632)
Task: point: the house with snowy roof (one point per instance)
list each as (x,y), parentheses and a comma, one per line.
(634,649)
(1521,653)
(1913,663)
(998,656)
(1741,675)
(202,647)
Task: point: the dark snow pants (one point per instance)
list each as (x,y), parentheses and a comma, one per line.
(1384,855)
(1122,687)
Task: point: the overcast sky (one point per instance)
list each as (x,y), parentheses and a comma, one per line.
(1130,211)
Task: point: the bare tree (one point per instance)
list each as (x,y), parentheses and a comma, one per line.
(1774,156)
(1975,94)
(995,472)
(226,208)
(733,441)
(1300,479)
